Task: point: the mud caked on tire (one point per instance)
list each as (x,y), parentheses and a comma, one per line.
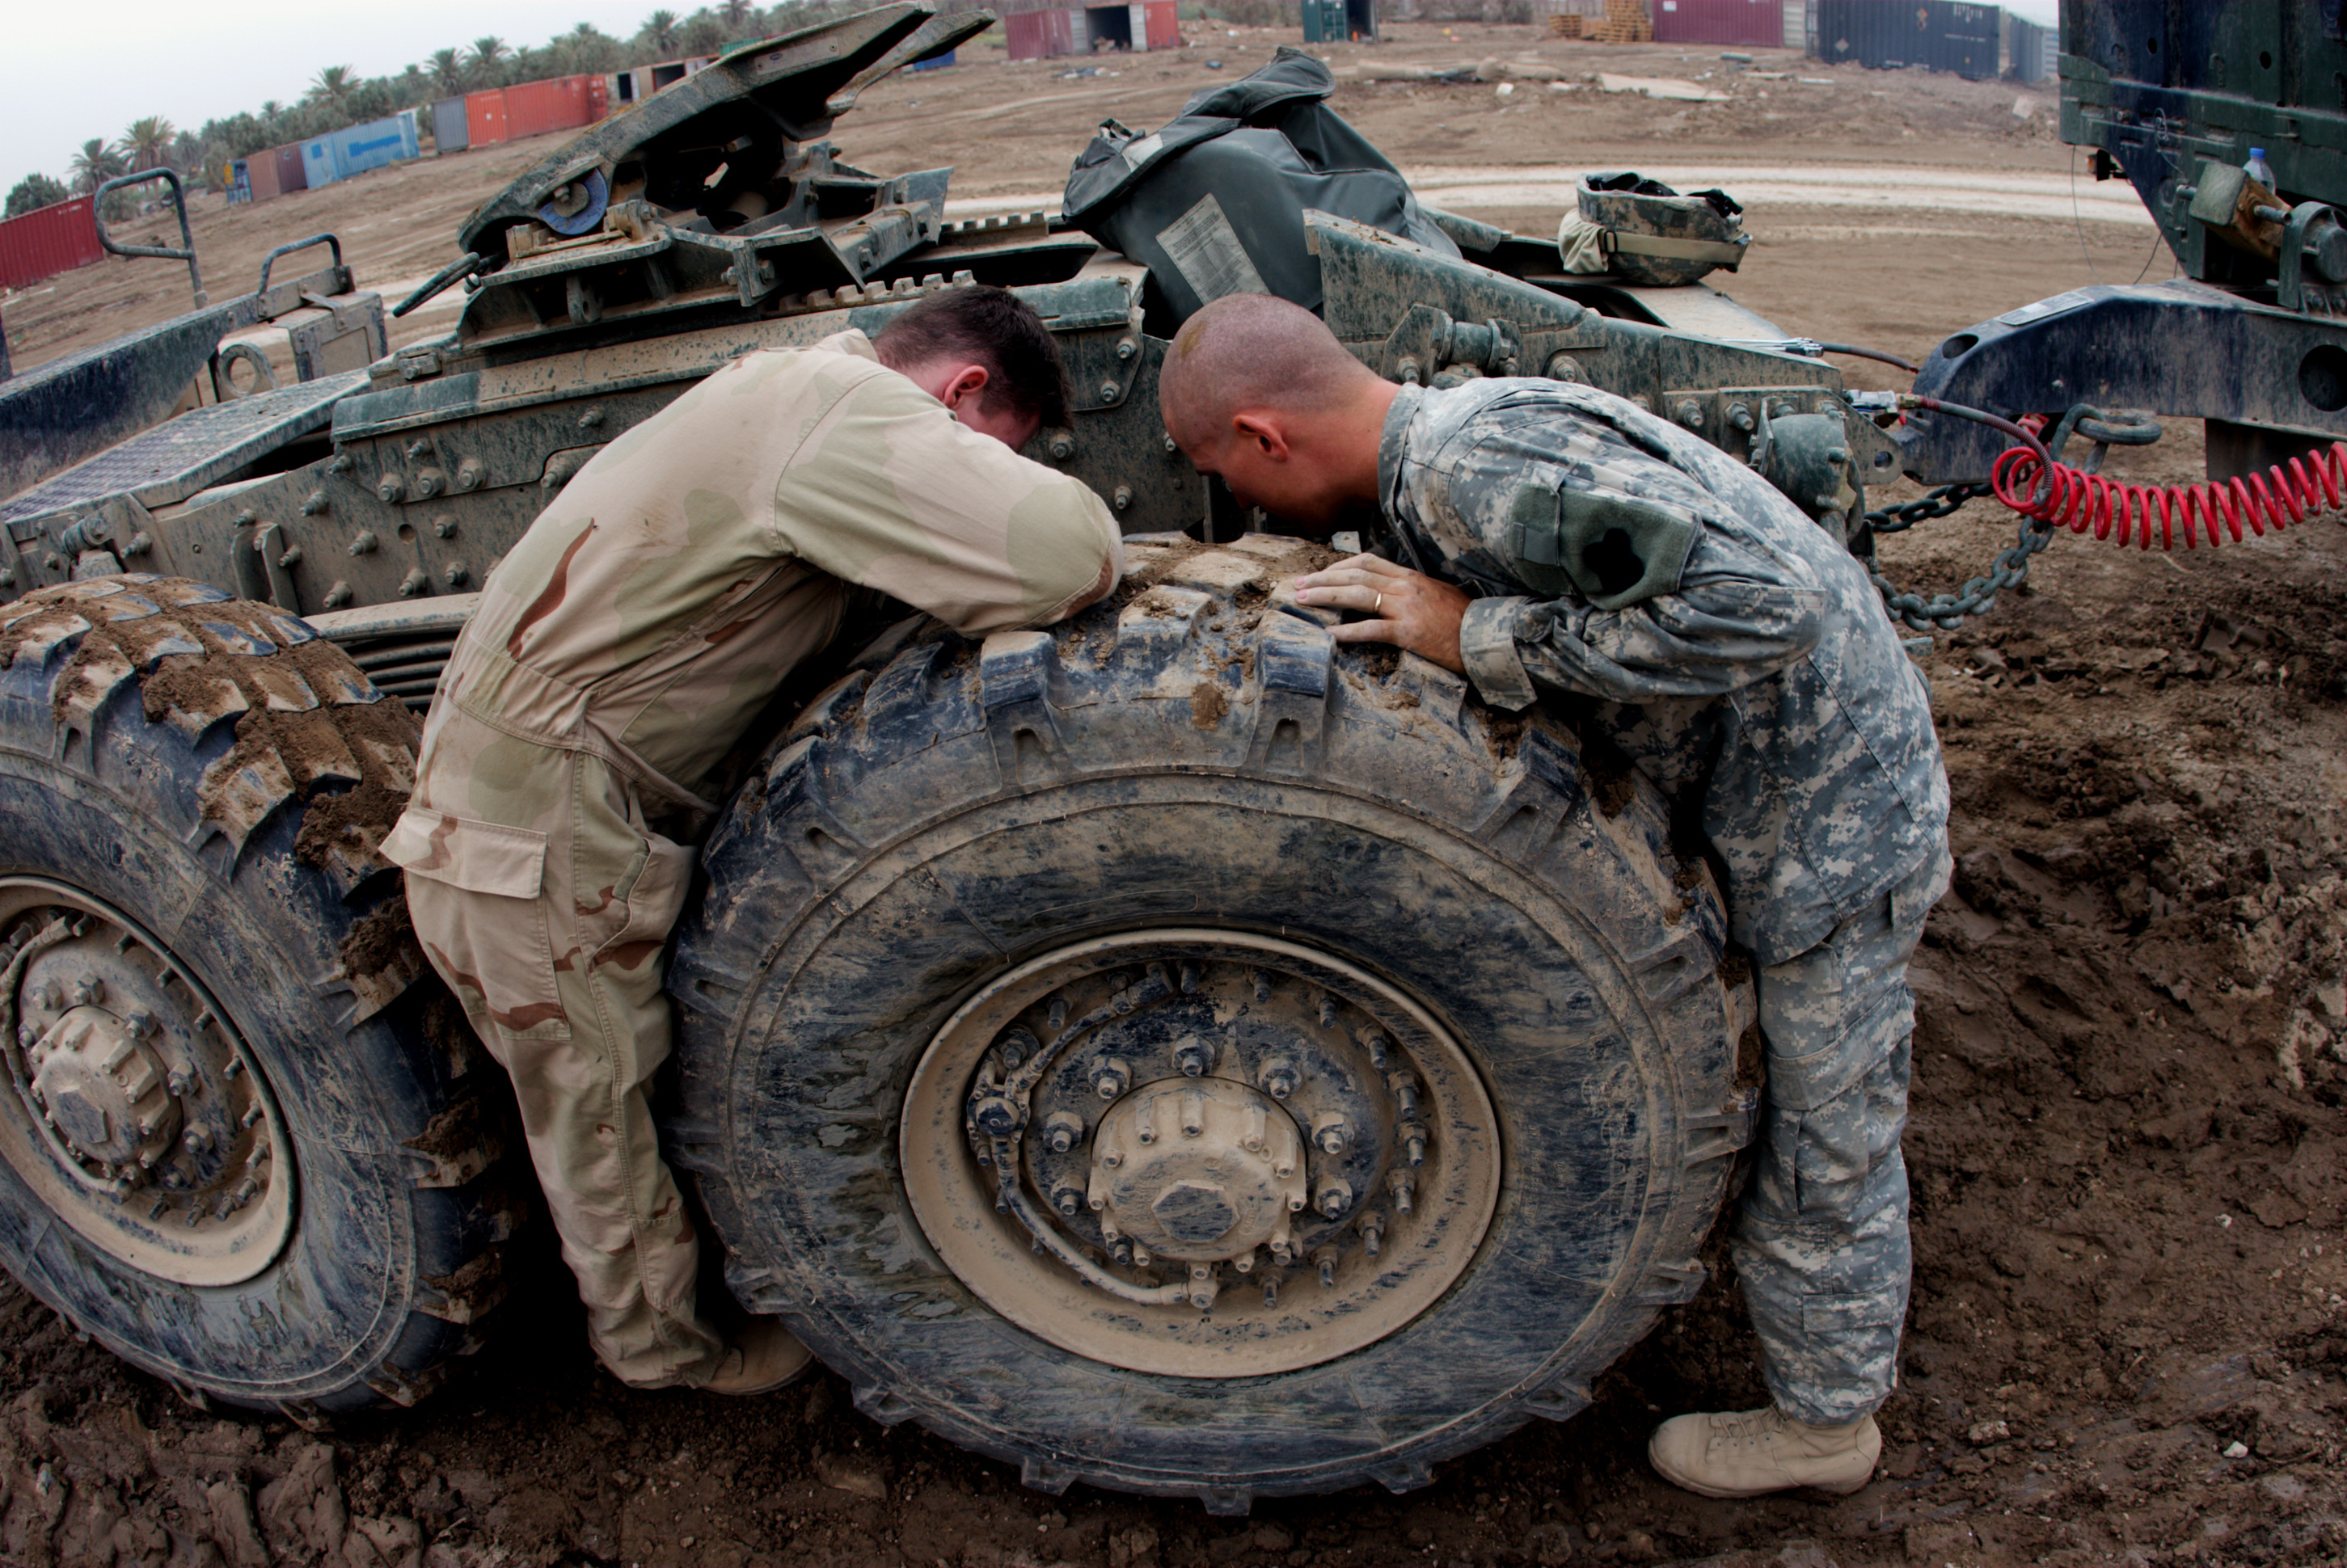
(244,1138)
(1176,1052)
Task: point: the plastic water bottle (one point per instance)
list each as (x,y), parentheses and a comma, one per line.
(2258,169)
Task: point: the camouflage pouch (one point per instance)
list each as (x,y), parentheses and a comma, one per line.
(1611,549)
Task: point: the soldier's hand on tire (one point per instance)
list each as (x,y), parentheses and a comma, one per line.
(1407,608)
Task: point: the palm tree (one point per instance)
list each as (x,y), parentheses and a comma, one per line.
(147,142)
(660,31)
(272,111)
(94,165)
(334,86)
(448,72)
(738,15)
(703,33)
(486,52)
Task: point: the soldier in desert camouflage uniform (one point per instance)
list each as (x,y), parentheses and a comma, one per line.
(1687,612)
(621,650)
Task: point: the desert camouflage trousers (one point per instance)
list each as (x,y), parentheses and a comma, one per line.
(564,987)
(1821,1245)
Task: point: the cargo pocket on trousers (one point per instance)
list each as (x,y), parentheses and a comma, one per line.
(473,892)
(1848,1314)
(653,898)
(1830,1156)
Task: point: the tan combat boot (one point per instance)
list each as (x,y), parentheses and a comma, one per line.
(764,1356)
(1754,1453)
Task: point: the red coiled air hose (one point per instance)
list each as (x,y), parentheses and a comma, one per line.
(2284,494)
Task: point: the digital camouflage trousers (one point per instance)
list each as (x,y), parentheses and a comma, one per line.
(1821,1244)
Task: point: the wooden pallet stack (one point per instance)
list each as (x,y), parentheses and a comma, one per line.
(1564,25)
(1626,21)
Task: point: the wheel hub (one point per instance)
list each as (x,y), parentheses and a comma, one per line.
(132,1107)
(103,1090)
(1189,1123)
(1205,1171)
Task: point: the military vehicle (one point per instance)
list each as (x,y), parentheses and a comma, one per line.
(1170,1050)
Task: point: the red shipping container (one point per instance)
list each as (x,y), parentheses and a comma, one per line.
(293,174)
(260,174)
(1164,24)
(46,241)
(559,103)
(1040,34)
(484,118)
(1746,22)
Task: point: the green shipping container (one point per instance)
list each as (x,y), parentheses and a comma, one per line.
(1339,21)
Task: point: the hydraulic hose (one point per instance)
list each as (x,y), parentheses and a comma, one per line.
(2050,492)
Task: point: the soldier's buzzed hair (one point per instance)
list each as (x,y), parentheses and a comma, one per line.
(984,325)
(1251,352)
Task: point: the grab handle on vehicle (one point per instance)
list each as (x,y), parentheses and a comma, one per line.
(271,260)
(186,252)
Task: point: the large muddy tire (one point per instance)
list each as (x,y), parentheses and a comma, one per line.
(1174,1053)
(245,1141)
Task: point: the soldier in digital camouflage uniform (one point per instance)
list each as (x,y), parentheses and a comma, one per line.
(621,650)
(1733,648)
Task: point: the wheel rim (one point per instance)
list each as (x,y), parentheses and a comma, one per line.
(1201,1154)
(133,1109)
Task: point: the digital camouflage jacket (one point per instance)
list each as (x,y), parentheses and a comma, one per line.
(1729,645)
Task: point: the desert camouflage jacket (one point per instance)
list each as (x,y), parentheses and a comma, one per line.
(1729,644)
(653,609)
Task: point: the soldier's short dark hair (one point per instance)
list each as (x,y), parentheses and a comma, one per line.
(990,326)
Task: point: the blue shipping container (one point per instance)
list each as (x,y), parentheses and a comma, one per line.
(374,144)
(935,63)
(318,162)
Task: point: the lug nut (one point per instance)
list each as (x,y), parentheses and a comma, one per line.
(177,1083)
(1204,1286)
(1404,1189)
(197,1141)
(1413,1142)
(1327,1012)
(1376,1045)
(1405,1092)
(88,991)
(1332,1135)
(140,1022)
(1063,1131)
(1373,1233)
(997,1115)
(1271,1290)
(1068,1201)
(1335,1197)
(1326,1258)
(1110,1077)
(1278,1078)
(1193,1057)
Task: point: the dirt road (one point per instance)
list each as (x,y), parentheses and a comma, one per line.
(2128,1341)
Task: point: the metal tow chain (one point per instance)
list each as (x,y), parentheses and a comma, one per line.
(1948,611)
(2010,569)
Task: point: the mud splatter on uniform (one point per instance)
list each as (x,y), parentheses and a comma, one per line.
(619,653)
(1735,650)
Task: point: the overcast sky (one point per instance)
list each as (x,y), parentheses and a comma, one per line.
(79,74)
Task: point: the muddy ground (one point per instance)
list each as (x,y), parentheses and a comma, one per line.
(2126,1341)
